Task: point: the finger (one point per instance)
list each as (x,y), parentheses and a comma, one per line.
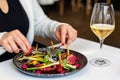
(13,46)
(7,47)
(21,44)
(71,37)
(58,35)
(69,40)
(23,38)
(63,35)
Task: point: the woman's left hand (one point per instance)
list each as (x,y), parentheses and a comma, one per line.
(66,33)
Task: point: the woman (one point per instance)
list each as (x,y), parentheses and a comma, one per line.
(20,20)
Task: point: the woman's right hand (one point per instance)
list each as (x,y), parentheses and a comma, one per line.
(14,40)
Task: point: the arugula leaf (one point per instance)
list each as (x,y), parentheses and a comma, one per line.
(67,66)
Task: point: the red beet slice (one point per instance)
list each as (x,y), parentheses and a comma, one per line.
(71,59)
(59,68)
(24,66)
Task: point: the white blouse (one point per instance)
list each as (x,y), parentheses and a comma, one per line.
(39,23)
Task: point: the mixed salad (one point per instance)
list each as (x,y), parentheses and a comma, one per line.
(49,61)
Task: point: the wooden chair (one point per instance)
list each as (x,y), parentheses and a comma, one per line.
(88,5)
(107,1)
(75,4)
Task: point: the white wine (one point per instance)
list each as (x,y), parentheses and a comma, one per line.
(102,30)
(102,23)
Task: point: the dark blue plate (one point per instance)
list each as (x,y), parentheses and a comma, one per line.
(82,60)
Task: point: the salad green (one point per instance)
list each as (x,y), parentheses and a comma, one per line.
(50,60)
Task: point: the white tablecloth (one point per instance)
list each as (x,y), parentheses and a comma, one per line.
(89,72)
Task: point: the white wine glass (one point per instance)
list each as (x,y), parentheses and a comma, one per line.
(102,24)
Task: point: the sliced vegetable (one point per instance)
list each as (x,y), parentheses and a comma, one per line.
(71,59)
(59,55)
(37,59)
(38,72)
(49,60)
(59,68)
(63,56)
(47,69)
(49,65)
(24,66)
(35,62)
(77,65)
(67,66)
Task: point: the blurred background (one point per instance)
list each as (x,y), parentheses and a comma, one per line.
(77,13)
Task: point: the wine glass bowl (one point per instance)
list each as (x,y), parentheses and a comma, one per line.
(102,30)
(102,24)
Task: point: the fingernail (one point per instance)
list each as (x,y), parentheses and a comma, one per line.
(31,49)
(63,44)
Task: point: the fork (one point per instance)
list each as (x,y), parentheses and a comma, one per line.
(58,46)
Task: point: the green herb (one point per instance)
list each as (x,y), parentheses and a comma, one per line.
(67,66)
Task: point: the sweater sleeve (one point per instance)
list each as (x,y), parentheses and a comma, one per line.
(44,26)
(2,50)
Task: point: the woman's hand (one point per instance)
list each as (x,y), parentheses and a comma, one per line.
(14,40)
(66,31)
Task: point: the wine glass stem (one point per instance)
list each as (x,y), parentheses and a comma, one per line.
(101,43)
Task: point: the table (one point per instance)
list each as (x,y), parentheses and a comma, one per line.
(89,72)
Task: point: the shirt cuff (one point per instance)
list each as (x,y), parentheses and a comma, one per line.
(1,34)
(2,50)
